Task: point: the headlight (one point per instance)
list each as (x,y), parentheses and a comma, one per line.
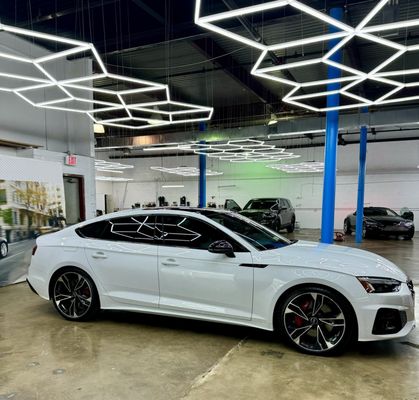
(408,224)
(379,285)
(268,215)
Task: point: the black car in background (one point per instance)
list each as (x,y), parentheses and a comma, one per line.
(380,221)
(275,213)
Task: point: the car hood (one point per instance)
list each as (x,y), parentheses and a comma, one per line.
(255,212)
(332,258)
(386,220)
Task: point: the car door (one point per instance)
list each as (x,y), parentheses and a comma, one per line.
(192,279)
(124,259)
(285,212)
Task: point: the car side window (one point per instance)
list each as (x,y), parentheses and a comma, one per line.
(137,229)
(191,232)
(283,203)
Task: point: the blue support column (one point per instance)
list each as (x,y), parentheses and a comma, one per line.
(202,202)
(361,183)
(332,130)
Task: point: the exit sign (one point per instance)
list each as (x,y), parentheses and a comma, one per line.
(71,160)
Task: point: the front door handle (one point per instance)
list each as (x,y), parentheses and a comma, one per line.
(170,262)
(99,254)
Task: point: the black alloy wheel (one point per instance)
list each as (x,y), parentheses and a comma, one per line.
(316,320)
(75,296)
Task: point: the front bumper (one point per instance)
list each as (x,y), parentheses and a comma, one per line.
(390,230)
(378,315)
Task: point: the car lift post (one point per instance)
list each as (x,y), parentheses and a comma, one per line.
(202,196)
(331,139)
(361,182)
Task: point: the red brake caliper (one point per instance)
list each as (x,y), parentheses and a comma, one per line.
(299,321)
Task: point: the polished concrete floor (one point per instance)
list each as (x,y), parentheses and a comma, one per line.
(137,356)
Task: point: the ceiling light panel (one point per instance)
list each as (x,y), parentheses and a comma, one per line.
(345,33)
(299,168)
(38,75)
(112,179)
(185,171)
(244,150)
(102,165)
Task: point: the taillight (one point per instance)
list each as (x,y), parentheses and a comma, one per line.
(34,249)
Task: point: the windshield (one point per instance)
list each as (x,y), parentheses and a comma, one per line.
(260,204)
(379,212)
(255,234)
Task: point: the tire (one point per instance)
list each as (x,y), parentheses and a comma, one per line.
(290,228)
(305,319)
(410,235)
(74,295)
(4,249)
(347,229)
(365,233)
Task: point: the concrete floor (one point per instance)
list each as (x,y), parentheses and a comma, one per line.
(137,356)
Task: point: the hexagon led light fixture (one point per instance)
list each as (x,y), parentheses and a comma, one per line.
(237,151)
(299,168)
(345,33)
(111,166)
(185,171)
(126,100)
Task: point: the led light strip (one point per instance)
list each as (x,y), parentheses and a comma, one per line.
(304,167)
(185,171)
(239,151)
(111,166)
(35,85)
(345,33)
(112,179)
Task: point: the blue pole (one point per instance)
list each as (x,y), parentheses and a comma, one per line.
(332,130)
(202,197)
(361,183)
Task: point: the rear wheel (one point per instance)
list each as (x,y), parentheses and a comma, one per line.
(316,320)
(4,249)
(74,295)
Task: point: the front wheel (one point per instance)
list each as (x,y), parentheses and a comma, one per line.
(316,321)
(291,227)
(4,249)
(347,229)
(74,295)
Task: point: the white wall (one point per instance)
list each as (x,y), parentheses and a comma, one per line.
(54,132)
(392,180)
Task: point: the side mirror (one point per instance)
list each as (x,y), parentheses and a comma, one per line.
(222,247)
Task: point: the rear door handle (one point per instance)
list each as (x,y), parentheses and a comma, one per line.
(170,262)
(99,254)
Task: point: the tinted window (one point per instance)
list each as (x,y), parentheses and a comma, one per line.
(284,203)
(130,229)
(93,231)
(190,232)
(262,204)
(378,212)
(257,235)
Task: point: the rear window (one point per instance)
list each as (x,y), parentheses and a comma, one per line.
(93,231)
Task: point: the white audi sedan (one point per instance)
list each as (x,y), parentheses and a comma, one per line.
(223,267)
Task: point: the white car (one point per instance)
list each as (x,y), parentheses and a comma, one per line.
(220,266)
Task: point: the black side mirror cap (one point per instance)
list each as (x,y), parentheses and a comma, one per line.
(222,247)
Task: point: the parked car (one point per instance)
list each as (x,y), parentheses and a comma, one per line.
(275,213)
(220,266)
(380,221)
(4,247)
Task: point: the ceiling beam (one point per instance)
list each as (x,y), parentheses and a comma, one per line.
(210,49)
(145,7)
